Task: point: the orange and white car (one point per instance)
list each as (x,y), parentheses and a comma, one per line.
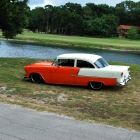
(79,69)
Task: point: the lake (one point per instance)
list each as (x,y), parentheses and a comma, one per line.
(13,49)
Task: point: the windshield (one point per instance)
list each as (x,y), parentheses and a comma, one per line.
(54,63)
(101,63)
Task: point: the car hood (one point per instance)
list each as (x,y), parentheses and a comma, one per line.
(42,64)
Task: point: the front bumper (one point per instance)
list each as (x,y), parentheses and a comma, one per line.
(126,79)
(25,77)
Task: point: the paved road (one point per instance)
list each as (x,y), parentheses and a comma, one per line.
(24,124)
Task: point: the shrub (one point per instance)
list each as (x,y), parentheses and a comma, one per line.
(133,34)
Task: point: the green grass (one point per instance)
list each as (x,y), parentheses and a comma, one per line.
(83,41)
(76,41)
(116,106)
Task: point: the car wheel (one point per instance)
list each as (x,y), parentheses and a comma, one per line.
(96,85)
(36,78)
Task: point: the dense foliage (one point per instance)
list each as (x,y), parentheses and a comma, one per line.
(133,34)
(13,14)
(71,18)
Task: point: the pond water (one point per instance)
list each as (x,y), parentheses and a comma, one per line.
(12,50)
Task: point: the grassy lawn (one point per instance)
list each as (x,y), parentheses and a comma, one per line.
(83,41)
(76,41)
(116,106)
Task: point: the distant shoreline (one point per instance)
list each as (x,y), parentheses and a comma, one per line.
(71,45)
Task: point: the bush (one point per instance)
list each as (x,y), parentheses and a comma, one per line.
(133,34)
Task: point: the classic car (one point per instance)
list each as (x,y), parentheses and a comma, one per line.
(79,69)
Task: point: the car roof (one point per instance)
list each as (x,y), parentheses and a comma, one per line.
(80,56)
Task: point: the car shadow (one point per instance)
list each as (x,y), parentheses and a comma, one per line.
(112,88)
(76,87)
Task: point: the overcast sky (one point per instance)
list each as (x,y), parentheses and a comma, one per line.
(42,3)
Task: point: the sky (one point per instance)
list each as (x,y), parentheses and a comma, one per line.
(42,3)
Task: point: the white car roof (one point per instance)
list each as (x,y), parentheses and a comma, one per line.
(80,56)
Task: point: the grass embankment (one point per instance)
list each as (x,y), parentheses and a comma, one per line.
(120,44)
(117,106)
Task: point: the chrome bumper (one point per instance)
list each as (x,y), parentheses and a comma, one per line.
(24,77)
(124,82)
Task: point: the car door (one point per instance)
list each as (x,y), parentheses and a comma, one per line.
(84,66)
(64,72)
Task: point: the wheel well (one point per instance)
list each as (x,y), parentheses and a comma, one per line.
(96,85)
(39,74)
(96,81)
(34,73)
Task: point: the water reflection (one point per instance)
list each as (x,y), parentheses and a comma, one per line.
(11,49)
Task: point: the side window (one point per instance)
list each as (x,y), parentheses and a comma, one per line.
(84,64)
(66,62)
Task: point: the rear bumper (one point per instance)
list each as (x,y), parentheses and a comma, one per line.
(126,79)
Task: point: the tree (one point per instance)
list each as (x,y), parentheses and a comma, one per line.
(111,23)
(73,7)
(103,9)
(137,17)
(13,15)
(60,18)
(37,19)
(48,14)
(128,11)
(87,13)
(67,21)
(93,8)
(133,34)
(75,25)
(103,26)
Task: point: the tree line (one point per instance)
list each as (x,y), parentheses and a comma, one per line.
(70,19)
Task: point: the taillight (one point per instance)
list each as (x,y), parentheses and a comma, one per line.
(122,74)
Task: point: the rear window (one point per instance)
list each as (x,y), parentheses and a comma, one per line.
(101,63)
(84,64)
